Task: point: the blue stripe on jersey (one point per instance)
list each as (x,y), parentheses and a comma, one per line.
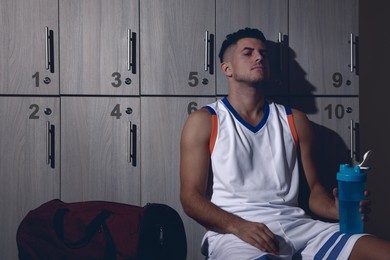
(254,129)
(264,257)
(324,249)
(210,109)
(288,110)
(340,245)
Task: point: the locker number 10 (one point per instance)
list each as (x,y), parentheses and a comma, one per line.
(338,111)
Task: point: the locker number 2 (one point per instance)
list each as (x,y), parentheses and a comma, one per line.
(35,110)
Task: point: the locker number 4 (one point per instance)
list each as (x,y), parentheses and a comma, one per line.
(116,112)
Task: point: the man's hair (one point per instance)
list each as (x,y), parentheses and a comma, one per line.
(234,37)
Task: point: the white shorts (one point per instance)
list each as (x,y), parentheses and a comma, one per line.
(298,239)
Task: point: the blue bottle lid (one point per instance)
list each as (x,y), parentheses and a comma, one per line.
(349,173)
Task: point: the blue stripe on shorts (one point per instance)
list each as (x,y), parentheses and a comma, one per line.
(337,248)
(340,245)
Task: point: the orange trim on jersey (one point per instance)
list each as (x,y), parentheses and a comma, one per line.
(214,132)
(291,123)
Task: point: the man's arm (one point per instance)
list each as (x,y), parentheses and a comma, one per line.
(194,170)
(321,202)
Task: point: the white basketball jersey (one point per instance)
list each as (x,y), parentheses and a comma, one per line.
(255,168)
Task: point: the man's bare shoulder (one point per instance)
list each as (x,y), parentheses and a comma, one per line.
(200,117)
(299,117)
(298,113)
(302,125)
(198,125)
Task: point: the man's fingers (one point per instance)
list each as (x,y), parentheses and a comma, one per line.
(266,246)
(266,241)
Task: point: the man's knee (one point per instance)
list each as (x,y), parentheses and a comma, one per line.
(370,247)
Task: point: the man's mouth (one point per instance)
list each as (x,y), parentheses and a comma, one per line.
(257,67)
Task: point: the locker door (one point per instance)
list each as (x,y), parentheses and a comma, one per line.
(29,161)
(29,47)
(99,47)
(320,34)
(162,122)
(100,149)
(177,47)
(271,18)
(336,132)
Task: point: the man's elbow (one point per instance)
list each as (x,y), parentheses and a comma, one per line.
(188,201)
(185,201)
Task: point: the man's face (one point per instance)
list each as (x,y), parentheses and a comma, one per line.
(247,61)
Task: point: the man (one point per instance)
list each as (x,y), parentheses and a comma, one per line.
(251,147)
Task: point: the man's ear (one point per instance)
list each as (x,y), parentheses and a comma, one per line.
(226,68)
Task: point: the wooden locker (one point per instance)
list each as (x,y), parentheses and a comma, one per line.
(177,51)
(29,47)
(29,161)
(99,47)
(162,122)
(100,149)
(324,41)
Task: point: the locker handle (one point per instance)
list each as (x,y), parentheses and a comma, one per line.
(280,41)
(355,146)
(50,147)
(209,52)
(49,49)
(206,50)
(351,42)
(131,51)
(351,141)
(132,144)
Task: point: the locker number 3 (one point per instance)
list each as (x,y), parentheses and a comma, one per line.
(118,81)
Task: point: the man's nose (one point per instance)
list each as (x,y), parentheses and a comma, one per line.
(258,57)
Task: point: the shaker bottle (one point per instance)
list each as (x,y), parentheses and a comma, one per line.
(351,187)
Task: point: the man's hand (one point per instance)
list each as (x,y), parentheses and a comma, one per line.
(365,205)
(258,235)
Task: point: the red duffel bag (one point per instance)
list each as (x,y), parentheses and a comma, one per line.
(101,230)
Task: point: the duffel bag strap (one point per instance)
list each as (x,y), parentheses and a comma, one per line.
(97,224)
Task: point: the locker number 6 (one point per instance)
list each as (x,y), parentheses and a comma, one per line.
(192,106)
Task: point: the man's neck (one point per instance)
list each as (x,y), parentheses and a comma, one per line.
(248,102)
